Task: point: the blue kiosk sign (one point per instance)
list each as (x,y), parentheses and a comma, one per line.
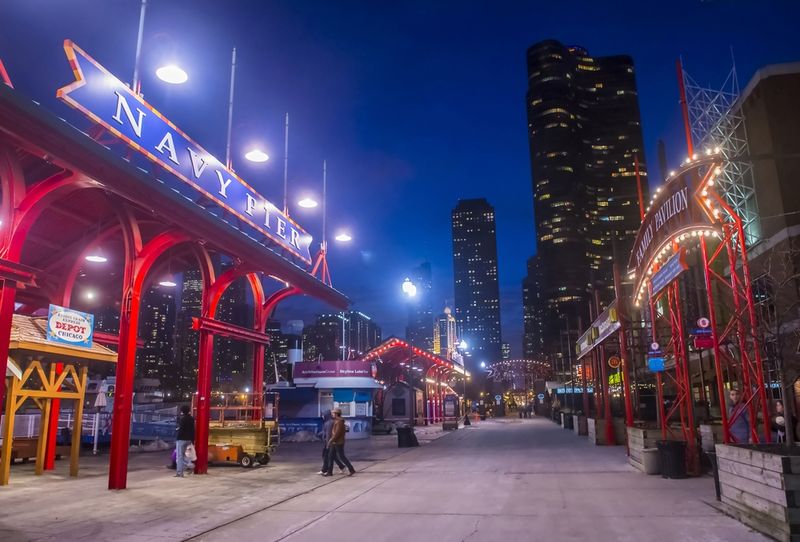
(110,103)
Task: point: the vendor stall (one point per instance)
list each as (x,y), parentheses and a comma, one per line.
(45,367)
(325,385)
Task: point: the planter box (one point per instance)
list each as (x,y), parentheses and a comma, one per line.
(579,425)
(642,449)
(596,431)
(761,489)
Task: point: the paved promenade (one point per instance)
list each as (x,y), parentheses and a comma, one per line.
(498,480)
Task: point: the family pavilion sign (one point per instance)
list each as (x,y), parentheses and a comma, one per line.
(678,209)
(109,102)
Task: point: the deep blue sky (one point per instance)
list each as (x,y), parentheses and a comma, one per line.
(414,104)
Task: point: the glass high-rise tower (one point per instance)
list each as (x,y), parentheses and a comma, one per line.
(585,137)
(477,294)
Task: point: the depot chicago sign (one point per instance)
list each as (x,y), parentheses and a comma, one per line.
(109,102)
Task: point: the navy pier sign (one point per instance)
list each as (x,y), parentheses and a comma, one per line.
(109,102)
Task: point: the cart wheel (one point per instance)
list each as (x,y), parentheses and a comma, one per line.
(264,459)
(246,461)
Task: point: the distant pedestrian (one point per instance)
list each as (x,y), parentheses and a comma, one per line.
(336,444)
(738,418)
(778,423)
(327,429)
(185,437)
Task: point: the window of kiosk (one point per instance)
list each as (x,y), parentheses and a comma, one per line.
(347,409)
(325,402)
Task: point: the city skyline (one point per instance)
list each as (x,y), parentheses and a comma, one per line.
(367,154)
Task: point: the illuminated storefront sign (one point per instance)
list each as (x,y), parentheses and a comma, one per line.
(110,103)
(606,324)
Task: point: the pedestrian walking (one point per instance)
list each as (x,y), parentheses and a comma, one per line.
(185,437)
(336,444)
(778,423)
(738,418)
(327,429)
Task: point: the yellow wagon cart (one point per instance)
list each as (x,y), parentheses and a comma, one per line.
(241,430)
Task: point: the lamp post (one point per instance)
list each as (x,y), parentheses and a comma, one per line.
(409,289)
(462,348)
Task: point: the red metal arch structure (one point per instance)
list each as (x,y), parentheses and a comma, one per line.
(63,194)
(729,304)
(394,357)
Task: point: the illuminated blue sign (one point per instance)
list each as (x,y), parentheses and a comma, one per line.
(668,272)
(109,102)
(655,364)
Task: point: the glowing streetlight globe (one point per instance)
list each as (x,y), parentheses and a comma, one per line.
(168,282)
(172,74)
(409,288)
(463,344)
(483,365)
(343,237)
(307,203)
(256,155)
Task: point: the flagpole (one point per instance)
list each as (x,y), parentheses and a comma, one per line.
(230,111)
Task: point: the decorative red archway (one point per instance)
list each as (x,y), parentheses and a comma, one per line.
(63,193)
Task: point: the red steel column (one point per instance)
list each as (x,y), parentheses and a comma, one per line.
(123,390)
(205,362)
(622,316)
(7,296)
(52,427)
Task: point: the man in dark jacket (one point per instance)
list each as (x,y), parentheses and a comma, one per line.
(336,444)
(184,437)
(327,429)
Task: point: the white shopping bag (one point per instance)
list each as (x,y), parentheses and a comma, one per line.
(190,454)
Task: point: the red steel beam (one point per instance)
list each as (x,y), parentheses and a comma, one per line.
(224,329)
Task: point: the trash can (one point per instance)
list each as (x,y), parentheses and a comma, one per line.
(568,421)
(672,458)
(406,437)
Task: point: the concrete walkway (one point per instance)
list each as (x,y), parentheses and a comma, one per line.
(497,480)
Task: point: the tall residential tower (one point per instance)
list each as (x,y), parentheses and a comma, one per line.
(585,139)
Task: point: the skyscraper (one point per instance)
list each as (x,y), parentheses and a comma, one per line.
(156,357)
(420,309)
(477,294)
(340,335)
(186,339)
(585,138)
(532,313)
(362,334)
(445,335)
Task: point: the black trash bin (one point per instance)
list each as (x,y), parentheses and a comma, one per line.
(672,458)
(568,421)
(406,437)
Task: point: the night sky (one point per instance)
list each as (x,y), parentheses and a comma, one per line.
(413,104)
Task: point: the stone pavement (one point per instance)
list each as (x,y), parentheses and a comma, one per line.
(497,480)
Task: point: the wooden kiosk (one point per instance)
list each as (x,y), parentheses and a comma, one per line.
(43,371)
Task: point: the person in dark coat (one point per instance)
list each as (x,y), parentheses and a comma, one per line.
(327,429)
(185,436)
(336,444)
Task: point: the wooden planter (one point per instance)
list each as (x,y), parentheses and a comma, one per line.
(596,431)
(761,488)
(579,425)
(639,440)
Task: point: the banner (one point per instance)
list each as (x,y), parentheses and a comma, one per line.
(311,369)
(110,103)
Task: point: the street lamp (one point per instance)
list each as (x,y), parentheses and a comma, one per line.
(410,290)
(343,237)
(172,74)
(307,203)
(256,155)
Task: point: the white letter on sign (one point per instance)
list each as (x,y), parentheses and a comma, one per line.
(251,204)
(223,184)
(198,164)
(169,145)
(122,105)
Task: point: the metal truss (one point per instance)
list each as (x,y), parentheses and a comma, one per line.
(717,121)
